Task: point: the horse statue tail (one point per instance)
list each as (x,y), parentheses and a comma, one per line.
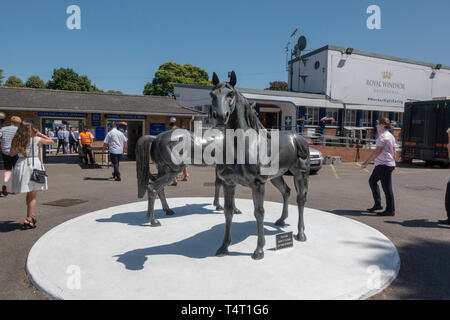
(142,163)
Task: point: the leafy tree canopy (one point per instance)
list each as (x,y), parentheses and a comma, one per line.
(1,76)
(170,73)
(68,79)
(35,82)
(13,81)
(114,91)
(278,86)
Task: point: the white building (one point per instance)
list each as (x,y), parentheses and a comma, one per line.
(353,87)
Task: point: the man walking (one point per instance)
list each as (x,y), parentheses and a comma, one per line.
(447,193)
(6,136)
(116,141)
(85,142)
(73,140)
(61,138)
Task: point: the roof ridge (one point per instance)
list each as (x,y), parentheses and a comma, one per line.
(83,92)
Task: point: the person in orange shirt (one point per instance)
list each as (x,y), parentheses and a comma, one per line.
(85,143)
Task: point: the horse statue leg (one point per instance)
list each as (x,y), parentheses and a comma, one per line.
(301,185)
(165,205)
(281,185)
(218,184)
(258,202)
(229,197)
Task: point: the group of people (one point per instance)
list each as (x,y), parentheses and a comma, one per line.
(384,165)
(68,141)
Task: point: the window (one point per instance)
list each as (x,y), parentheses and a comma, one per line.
(350,118)
(383,114)
(398,120)
(312,116)
(332,113)
(367,117)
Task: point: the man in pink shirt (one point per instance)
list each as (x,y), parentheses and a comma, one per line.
(384,156)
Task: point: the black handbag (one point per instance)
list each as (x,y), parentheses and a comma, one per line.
(37,176)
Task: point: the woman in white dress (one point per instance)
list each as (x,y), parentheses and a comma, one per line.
(26,139)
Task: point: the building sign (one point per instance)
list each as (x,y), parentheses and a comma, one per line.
(62,114)
(100,133)
(157,128)
(288,123)
(372,81)
(125,116)
(96,117)
(284,240)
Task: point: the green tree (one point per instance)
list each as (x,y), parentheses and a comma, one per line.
(278,86)
(114,91)
(13,81)
(35,82)
(68,79)
(170,73)
(1,77)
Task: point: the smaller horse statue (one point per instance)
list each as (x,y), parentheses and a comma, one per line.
(231,110)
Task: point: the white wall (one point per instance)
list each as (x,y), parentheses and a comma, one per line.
(316,79)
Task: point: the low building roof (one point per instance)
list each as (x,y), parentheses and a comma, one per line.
(77,101)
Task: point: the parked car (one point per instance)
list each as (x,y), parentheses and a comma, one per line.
(315,160)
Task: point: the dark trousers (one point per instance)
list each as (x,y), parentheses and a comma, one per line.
(61,143)
(383,173)
(447,199)
(87,151)
(73,146)
(115,159)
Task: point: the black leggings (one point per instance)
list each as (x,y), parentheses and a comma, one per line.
(383,173)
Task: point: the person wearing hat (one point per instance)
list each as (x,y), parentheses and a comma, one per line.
(6,136)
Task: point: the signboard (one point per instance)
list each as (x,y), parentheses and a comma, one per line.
(157,128)
(96,117)
(284,240)
(125,116)
(62,114)
(100,133)
(371,81)
(288,123)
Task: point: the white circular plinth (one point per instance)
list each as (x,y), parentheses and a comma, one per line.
(114,253)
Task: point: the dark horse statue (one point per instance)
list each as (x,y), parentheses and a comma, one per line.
(232,110)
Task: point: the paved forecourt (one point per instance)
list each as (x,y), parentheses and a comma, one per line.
(115,254)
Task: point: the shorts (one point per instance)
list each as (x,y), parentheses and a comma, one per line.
(9,162)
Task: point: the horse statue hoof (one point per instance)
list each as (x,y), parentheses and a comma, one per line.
(155,223)
(169,212)
(219,208)
(280,223)
(300,237)
(222,252)
(258,255)
(236,211)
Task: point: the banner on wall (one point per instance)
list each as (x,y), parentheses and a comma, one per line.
(157,128)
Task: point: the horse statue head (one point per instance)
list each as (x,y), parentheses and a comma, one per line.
(230,108)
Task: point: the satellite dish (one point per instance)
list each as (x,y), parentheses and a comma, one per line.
(301,43)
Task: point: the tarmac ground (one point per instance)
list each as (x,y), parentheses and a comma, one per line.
(423,244)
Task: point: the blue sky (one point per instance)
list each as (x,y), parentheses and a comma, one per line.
(122,43)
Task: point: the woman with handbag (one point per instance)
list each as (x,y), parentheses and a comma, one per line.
(29,175)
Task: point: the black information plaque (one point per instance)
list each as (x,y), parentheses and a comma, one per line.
(284,240)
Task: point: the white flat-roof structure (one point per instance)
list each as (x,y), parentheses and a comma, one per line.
(353,87)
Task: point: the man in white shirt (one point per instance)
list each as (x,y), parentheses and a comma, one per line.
(6,138)
(116,142)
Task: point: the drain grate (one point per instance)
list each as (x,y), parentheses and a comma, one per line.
(65,202)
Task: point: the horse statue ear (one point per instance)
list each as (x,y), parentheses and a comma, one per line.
(233,78)
(215,79)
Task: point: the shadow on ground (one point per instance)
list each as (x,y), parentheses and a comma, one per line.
(199,246)
(420,223)
(140,218)
(352,213)
(8,226)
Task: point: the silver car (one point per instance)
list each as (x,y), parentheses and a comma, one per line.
(315,160)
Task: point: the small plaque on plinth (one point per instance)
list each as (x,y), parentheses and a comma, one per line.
(284,240)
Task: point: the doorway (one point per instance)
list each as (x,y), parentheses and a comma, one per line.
(133,130)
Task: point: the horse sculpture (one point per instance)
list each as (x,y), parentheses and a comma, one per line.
(160,149)
(231,110)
